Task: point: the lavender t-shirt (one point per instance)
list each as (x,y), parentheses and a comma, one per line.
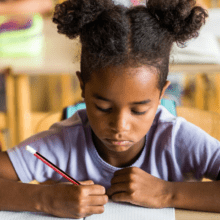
(175,150)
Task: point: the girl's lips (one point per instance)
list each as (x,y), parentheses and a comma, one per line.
(119,142)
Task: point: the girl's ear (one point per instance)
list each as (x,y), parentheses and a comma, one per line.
(164,89)
(82,86)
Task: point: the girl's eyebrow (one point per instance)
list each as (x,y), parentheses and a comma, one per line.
(133,103)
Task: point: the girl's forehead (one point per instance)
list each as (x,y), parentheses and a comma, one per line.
(120,82)
(141,74)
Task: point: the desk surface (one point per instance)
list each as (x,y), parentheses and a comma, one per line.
(194,215)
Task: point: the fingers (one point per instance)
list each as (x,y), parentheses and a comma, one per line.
(123,178)
(90,210)
(95,189)
(127,171)
(96,204)
(84,191)
(88,188)
(121,197)
(84,183)
(77,201)
(97,200)
(117,188)
(87,182)
(92,205)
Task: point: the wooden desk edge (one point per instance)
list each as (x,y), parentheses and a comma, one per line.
(181,214)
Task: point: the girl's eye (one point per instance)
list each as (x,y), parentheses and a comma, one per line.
(109,109)
(102,109)
(139,113)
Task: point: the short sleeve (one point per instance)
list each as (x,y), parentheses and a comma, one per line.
(197,153)
(50,144)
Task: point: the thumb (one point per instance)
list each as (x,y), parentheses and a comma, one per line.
(87,182)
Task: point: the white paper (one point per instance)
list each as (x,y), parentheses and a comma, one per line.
(125,211)
(113,211)
(7,215)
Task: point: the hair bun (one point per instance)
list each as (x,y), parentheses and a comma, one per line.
(72,15)
(181,17)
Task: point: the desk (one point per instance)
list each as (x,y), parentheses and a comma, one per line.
(195,215)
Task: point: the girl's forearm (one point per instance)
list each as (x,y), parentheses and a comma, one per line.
(17,196)
(200,196)
(25,7)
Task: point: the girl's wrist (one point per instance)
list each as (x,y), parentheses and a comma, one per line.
(168,198)
(43,199)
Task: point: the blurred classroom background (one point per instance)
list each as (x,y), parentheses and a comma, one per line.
(38,65)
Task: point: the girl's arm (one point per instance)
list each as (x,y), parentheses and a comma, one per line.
(17,196)
(201,196)
(136,186)
(25,7)
(63,200)
(14,195)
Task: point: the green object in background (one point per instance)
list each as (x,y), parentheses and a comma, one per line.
(170,105)
(23,43)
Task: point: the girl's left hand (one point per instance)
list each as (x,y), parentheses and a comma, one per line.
(135,186)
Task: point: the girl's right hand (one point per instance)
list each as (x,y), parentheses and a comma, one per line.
(73,201)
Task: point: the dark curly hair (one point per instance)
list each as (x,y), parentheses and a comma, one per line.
(113,35)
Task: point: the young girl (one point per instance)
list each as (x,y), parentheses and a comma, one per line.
(124,146)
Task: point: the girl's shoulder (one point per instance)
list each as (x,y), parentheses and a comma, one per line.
(172,125)
(179,129)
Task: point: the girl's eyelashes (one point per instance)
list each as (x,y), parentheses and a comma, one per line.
(107,110)
(103,110)
(138,113)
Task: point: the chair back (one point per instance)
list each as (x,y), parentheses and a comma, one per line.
(45,121)
(7,112)
(208,121)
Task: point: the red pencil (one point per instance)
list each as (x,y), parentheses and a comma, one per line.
(54,167)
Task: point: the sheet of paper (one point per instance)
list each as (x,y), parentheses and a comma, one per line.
(7,215)
(125,211)
(113,211)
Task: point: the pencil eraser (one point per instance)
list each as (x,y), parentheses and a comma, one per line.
(30,149)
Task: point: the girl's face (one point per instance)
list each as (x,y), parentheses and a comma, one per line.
(121,105)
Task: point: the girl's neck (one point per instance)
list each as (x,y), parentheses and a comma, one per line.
(119,159)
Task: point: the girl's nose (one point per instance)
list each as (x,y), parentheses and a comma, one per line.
(120,122)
